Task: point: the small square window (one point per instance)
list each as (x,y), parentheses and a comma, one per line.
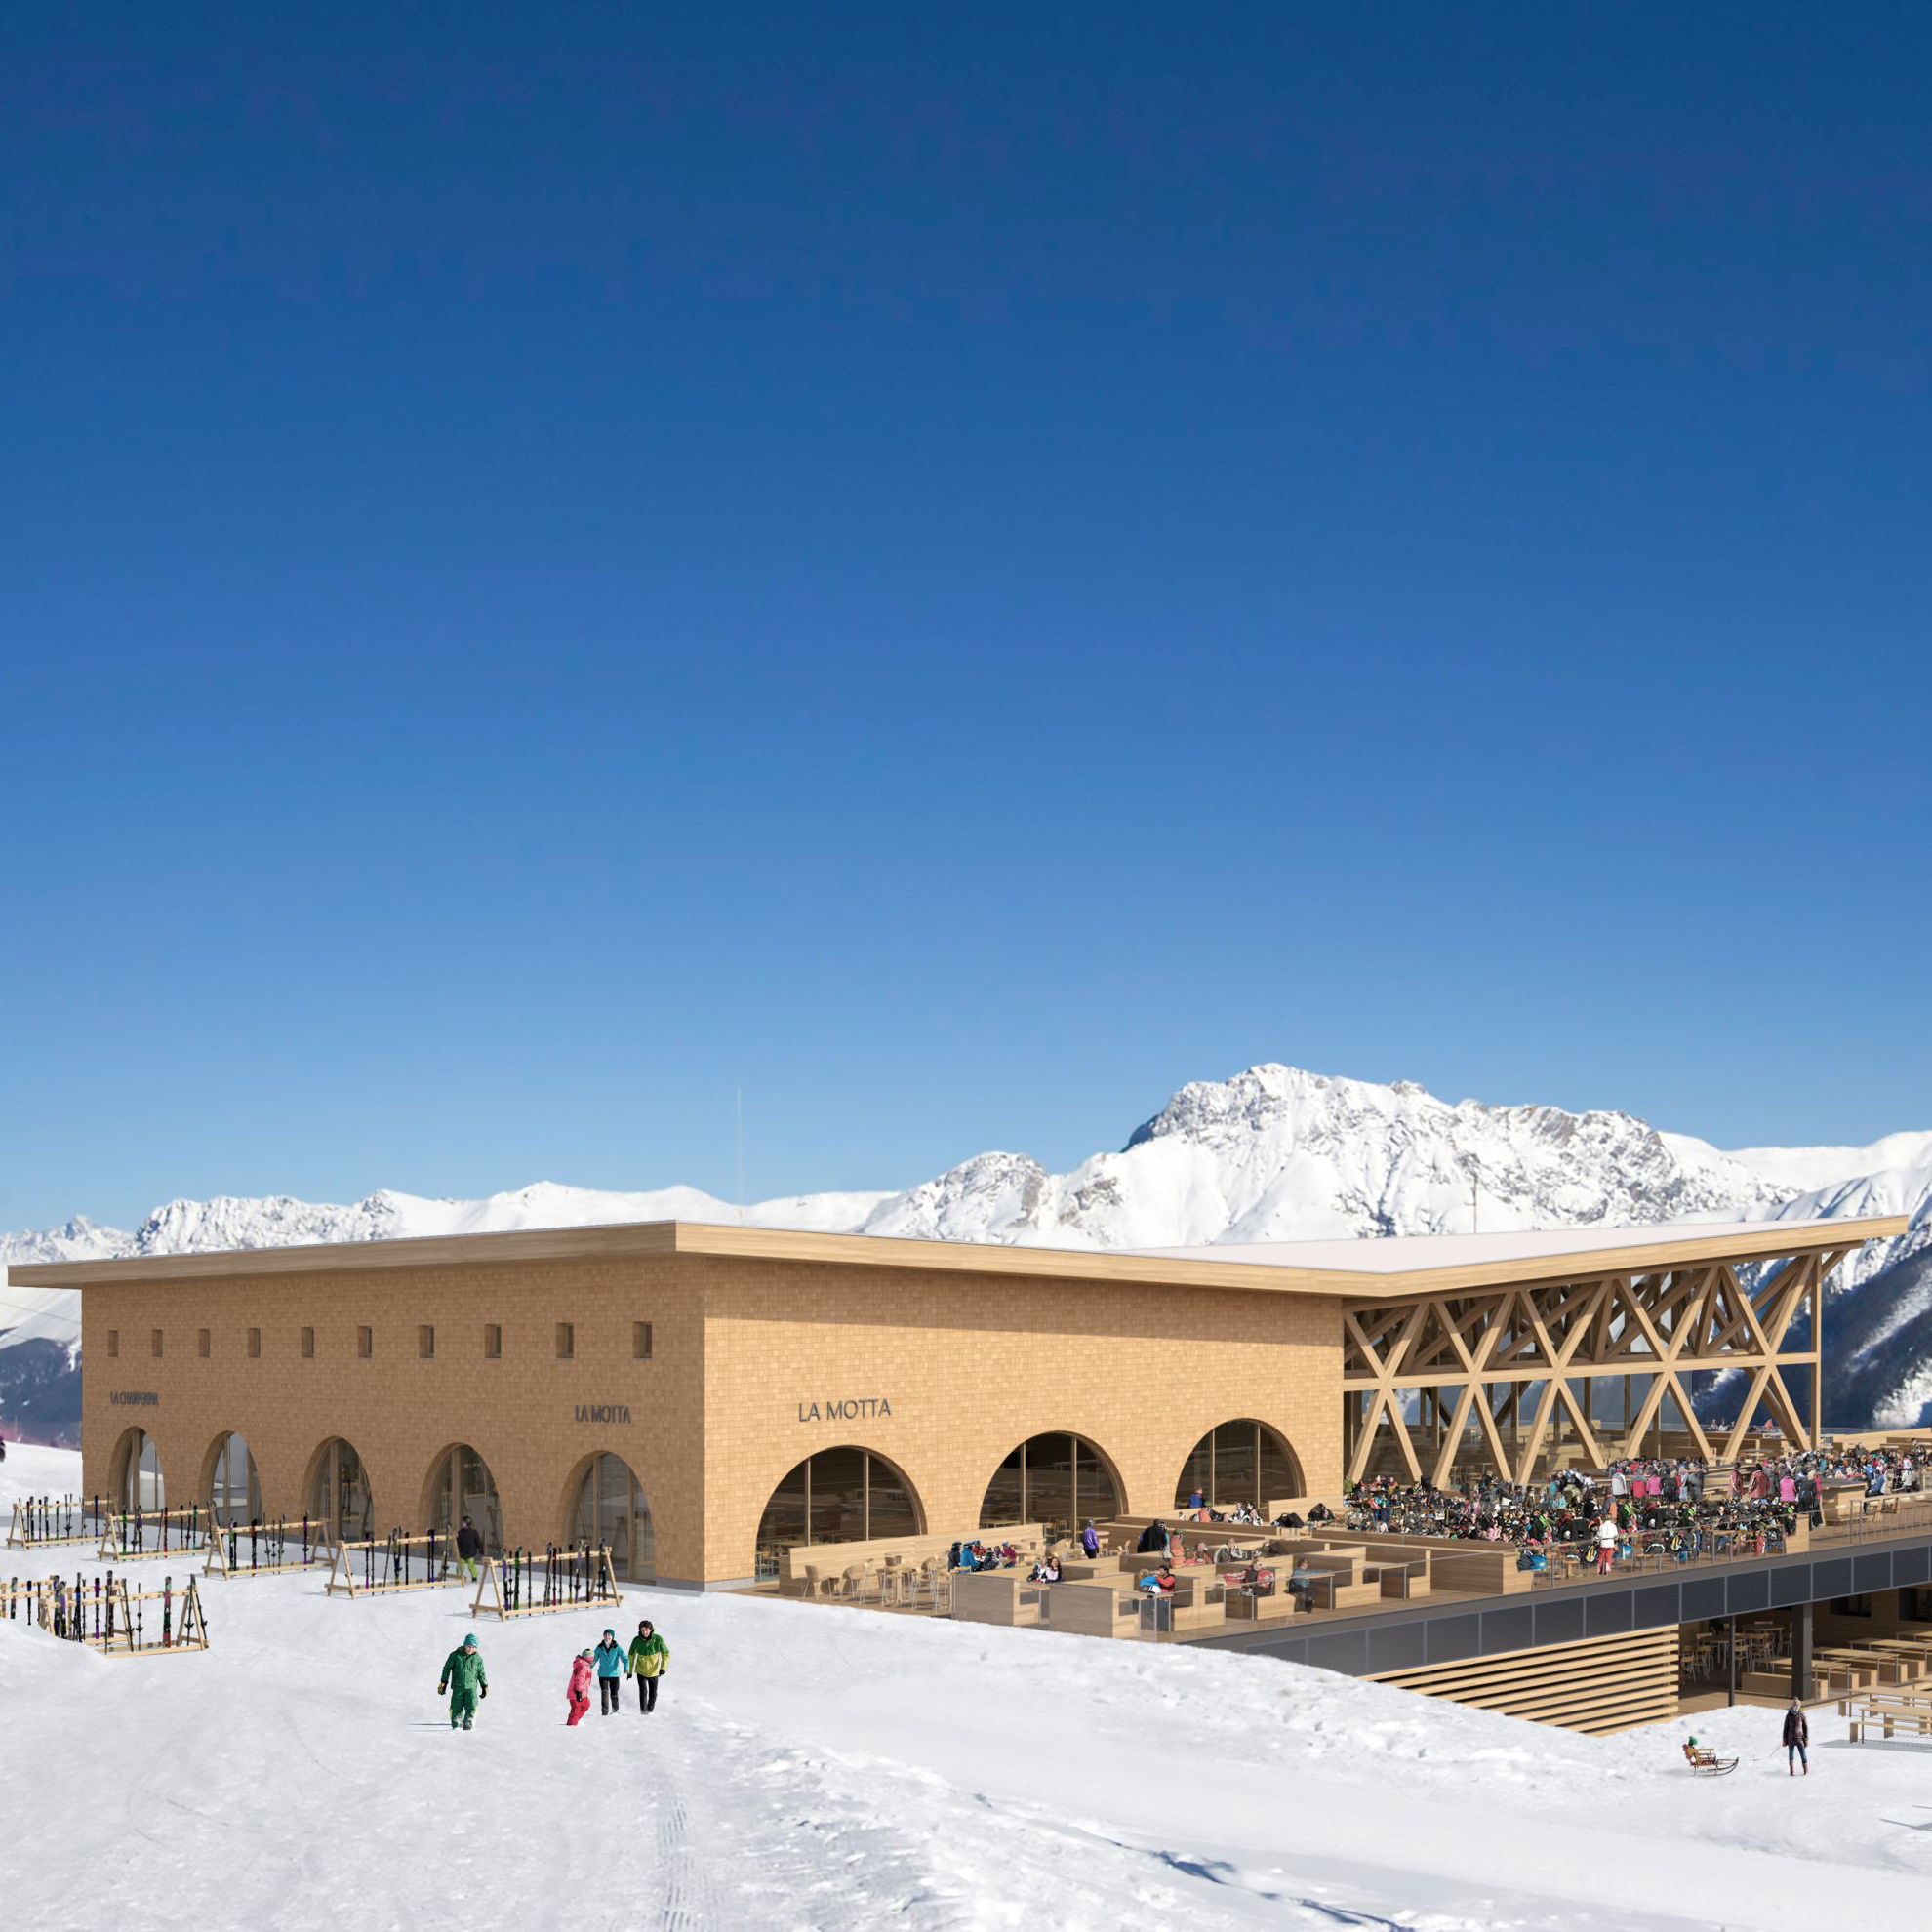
(640,1339)
(566,1342)
(113,1343)
(425,1342)
(493,1340)
(154,1347)
(254,1345)
(365,1343)
(309,1344)
(202,1345)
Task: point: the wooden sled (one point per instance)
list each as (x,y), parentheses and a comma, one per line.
(1706,1763)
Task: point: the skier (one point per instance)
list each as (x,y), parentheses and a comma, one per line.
(1797,1734)
(610,1666)
(469,1548)
(578,1693)
(465,1680)
(650,1659)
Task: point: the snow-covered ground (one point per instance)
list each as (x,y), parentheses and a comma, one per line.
(824,1767)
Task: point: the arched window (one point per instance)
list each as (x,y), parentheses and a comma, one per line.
(836,1496)
(460,1485)
(1240,1462)
(136,1482)
(339,1495)
(609,1506)
(1055,1480)
(234,1484)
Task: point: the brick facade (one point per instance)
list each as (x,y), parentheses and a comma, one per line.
(969,1364)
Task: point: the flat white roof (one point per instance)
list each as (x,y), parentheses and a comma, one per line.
(1400,1254)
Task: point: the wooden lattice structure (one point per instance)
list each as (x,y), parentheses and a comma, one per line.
(527,1583)
(1508,1381)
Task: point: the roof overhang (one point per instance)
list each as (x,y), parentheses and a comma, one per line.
(1354,1271)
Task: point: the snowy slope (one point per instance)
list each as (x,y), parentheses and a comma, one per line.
(1274,1154)
(819,1768)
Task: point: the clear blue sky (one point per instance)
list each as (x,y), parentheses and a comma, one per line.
(952,571)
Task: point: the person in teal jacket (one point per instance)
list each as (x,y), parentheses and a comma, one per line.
(650,1659)
(464,1680)
(611,1667)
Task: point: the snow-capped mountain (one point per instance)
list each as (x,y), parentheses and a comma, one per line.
(1274,1155)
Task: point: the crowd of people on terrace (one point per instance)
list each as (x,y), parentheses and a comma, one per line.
(1674,1506)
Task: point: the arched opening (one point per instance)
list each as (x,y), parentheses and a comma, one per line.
(608,1506)
(1239,1462)
(1054,1480)
(460,1485)
(845,1495)
(234,1486)
(136,1483)
(339,1495)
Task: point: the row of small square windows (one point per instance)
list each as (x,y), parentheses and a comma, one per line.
(425,1342)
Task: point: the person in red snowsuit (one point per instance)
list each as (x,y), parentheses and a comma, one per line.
(581,1673)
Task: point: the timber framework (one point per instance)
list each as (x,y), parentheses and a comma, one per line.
(1508,1380)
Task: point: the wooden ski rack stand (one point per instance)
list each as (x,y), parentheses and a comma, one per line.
(136,1536)
(572,1580)
(40,1520)
(266,1550)
(183,1626)
(386,1562)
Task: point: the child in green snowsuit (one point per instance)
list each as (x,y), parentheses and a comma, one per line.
(464,1680)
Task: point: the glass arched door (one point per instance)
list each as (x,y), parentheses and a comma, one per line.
(234,1489)
(339,1498)
(610,1507)
(460,1485)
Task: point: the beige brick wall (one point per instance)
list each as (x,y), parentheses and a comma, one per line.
(971,1365)
(399,1411)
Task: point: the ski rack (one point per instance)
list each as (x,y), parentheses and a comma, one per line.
(262,1550)
(183,1624)
(580,1578)
(394,1551)
(40,1520)
(125,1534)
(120,1622)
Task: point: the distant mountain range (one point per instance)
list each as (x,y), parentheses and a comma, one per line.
(1274,1155)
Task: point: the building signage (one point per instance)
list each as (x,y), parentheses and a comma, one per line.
(144,1399)
(851,1408)
(603,1412)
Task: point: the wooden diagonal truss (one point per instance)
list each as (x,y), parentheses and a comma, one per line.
(1417,1374)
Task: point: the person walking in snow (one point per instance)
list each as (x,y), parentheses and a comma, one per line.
(650,1659)
(469,1548)
(1797,1734)
(465,1680)
(611,1670)
(581,1670)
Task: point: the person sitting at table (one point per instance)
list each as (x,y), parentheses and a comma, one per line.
(1046,1570)
(1154,1540)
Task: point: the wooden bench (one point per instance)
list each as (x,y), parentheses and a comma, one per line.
(1888,1715)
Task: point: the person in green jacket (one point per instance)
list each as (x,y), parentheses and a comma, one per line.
(650,1659)
(464,1680)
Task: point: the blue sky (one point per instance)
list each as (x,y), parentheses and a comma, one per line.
(952,574)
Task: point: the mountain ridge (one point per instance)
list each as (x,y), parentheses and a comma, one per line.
(1273,1153)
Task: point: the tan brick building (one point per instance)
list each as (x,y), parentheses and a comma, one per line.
(700,1395)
